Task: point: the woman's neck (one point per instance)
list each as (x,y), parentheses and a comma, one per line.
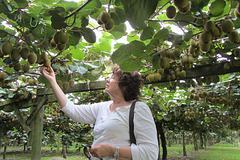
(119,103)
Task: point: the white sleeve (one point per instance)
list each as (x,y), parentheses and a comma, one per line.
(81,113)
(145,133)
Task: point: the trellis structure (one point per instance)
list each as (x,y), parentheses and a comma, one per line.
(34,123)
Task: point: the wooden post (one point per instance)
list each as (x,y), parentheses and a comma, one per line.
(37,129)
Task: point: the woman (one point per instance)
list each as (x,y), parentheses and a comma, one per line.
(111,119)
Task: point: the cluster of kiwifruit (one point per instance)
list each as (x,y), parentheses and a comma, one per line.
(59,40)
(194,48)
(176,73)
(187,61)
(44,60)
(227,27)
(206,79)
(173,54)
(182,5)
(104,19)
(211,32)
(237,10)
(65,85)
(154,77)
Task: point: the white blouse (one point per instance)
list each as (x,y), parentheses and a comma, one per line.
(113,127)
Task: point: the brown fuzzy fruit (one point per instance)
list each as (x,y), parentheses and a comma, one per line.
(71,83)
(181,3)
(184,9)
(47,63)
(15,53)
(18,67)
(205,37)
(233,36)
(227,26)
(61,47)
(3,75)
(205,46)
(26,67)
(53,44)
(7,48)
(32,58)
(171,12)
(24,52)
(65,85)
(109,25)
(105,17)
(209,26)
(63,37)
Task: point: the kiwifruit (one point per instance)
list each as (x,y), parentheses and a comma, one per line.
(233,36)
(61,47)
(226,66)
(160,70)
(219,30)
(193,43)
(24,79)
(7,48)
(185,9)
(105,17)
(181,3)
(56,37)
(63,37)
(3,75)
(32,58)
(24,52)
(191,59)
(185,59)
(59,82)
(236,52)
(53,44)
(47,62)
(71,83)
(99,20)
(227,26)
(191,49)
(15,53)
(26,67)
(177,52)
(215,33)
(44,56)
(183,74)
(32,81)
(205,46)
(65,85)
(205,37)
(209,26)
(109,25)
(164,62)
(17,67)
(171,12)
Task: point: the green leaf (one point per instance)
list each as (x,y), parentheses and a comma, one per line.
(217,8)
(118,16)
(187,17)
(58,21)
(147,33)
(74,36)
(130,65)
(162,34)
(78,69)
(21,3)
(88,35)
(137,11)
(119,31)
(154,25)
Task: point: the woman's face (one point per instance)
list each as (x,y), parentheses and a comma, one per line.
(112,85)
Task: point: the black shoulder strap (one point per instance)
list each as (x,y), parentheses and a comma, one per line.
(131,124)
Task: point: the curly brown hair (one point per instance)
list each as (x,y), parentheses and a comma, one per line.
(129,83)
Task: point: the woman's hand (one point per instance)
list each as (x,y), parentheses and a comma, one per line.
(102,150)
(50,76)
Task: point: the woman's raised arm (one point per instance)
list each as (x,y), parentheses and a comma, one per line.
(50,76)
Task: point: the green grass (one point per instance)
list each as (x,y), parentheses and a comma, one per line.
(221,152)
